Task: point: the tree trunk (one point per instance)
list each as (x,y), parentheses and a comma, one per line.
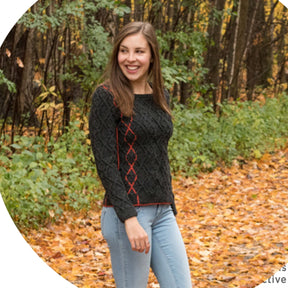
(251,52)
(227,52)
(25,97)
(260,53)
(282,76)
(186,87)
(138,10)
(240,38)
(212,58)
(155,14)
(126,17)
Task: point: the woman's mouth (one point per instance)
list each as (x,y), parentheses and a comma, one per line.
(132,68)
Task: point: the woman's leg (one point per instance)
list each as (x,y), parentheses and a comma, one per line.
(130,268)
(169,260)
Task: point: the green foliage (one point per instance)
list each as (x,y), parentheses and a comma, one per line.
(91,63)
(38,181)
(190,47)
(90,43)
(201,140)
(10,85)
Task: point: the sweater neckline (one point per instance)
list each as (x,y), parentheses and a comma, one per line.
(143,95)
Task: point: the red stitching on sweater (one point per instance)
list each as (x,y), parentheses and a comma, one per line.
(131,165)
(144,204)
(106,87)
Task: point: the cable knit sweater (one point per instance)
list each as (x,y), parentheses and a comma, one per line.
(131,152)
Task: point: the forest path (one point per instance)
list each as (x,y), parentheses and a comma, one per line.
(234,222)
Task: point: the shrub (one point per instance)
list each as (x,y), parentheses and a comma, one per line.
(38,181)
(201,139)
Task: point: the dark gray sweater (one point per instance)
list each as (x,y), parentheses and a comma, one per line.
(131,152)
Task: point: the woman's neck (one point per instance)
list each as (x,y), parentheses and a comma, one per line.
(144,88)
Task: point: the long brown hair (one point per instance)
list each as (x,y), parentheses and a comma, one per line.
(117,81)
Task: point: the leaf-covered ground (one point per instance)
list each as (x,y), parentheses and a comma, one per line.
(234,223)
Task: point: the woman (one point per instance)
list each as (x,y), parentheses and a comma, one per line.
(130,125)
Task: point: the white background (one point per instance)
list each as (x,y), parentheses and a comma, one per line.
(19,264)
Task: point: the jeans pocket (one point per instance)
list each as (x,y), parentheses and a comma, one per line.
(109,224)
(138,209)
(103,214)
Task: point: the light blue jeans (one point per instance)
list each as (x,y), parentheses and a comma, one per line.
(167,256)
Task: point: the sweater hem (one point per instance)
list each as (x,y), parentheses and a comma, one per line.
(146,204)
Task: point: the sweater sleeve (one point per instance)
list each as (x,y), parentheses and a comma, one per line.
(102,129)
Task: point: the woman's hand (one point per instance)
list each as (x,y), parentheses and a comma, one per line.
(137,235)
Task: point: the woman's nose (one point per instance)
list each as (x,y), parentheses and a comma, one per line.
(131,57)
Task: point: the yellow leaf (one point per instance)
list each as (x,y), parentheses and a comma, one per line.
(52,89)
(8,53)
(51,213)
(19,62)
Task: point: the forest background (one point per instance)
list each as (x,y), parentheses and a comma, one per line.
(224,62)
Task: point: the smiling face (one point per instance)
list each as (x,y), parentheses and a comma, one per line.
(134,59)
